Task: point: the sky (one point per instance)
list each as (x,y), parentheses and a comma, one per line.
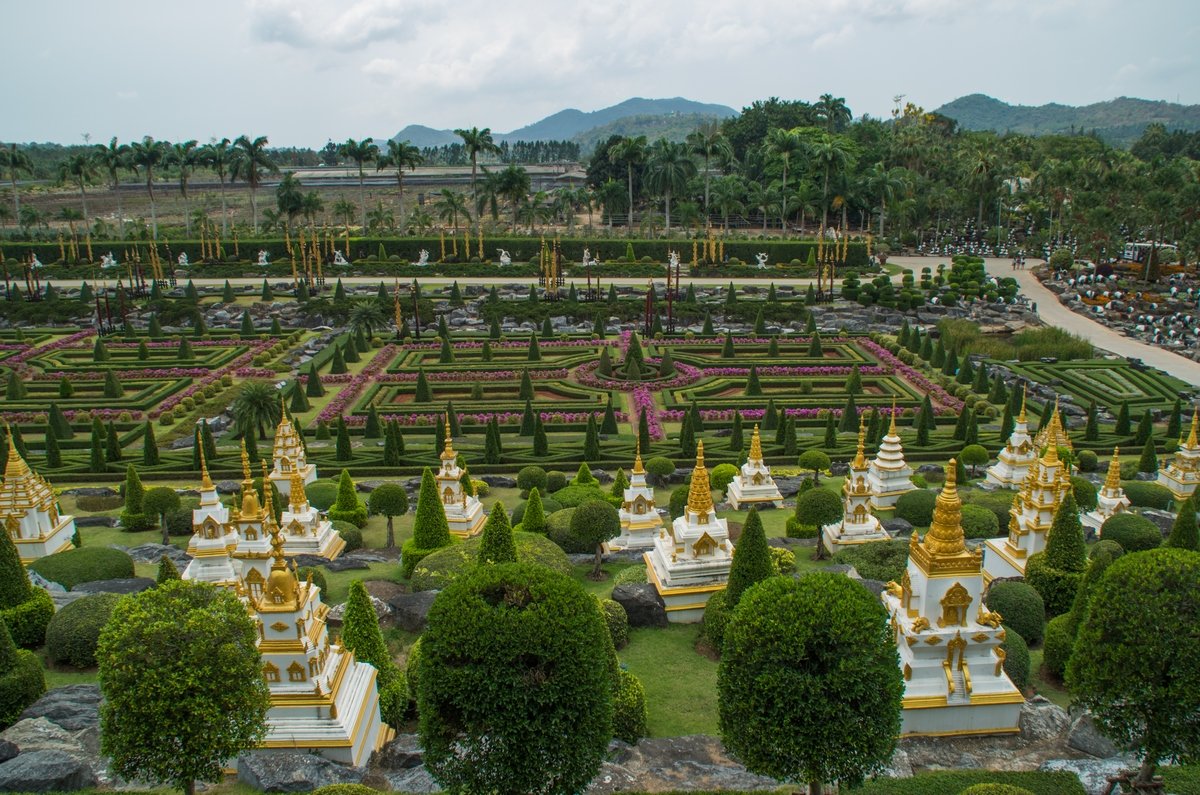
(306,71)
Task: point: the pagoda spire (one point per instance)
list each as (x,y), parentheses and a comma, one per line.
(1191,440)
(860,458)
(250,505)
(1024,394)
(245,464)
(268,501)
(638,467)
(945,537)
(297,498)
(206,483)
(756,453)
(1112,481)
(15,467)
(448,453)
(700,492)
(892,424)
(1050,458)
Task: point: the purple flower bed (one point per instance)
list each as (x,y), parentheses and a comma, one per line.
(355,384)
(58,344)
(415,420)
(213,376)
(459,376)
(684,374)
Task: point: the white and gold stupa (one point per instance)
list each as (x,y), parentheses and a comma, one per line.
(691,562)
(30,511)
(753,485)
(949,643)
(1016,457)
(1182,475)
(889,476)
(252,523)
(288,455)
(640,522)
(1111,499)
(857,525)
(464,512)
(213,538)
(306,531)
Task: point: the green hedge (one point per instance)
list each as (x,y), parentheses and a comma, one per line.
(441,567)
(1016,659)
(73,632)
(27,621)
(22,685)
(877,560)
(952,782)
(1147,494)
(1057,587)
(1133,532)
(629,708)
(1058,645)
(1021,607)
(86,564)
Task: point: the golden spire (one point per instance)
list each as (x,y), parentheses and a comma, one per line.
(700,492)
(250,509)
(284,422)
(860,458)
(1050,457)
(16,466)
(1021,418)
(892,425)
(755,446)
(945,536)
(1191,440)
(1112,481)
(281,591)
(206,483)
(448,453)
(245,464)
(638,468)
(297,497)
(268,502)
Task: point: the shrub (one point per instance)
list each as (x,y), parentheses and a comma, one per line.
(995,789)
(979,522)
(677,502)
(796,529)
(439,569)
(86,564)
(549,506)
(575,495)
(411,667)
(558,530)
(531,477)
(321,494)
(1145,494)
(617,621)
(818,506)
(877,560)
(716,618)
(784,560)
(1087,460)
(1056,586)
(348,507)
(1021,606)
(22,679)
(1133,532)
(953,782)
(1085,493)
(318,577)
(660,468)
(998,502)
(99,503)
(1106,545)
(1056,649)
(1016,659)
(555,480)
(722,475)
(350,534)
(916,507)
(631,575)
(73,632)
(629,708)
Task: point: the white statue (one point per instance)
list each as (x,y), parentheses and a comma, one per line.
(587,257)
(505,259)
(262,258)
(424,258)
(762,260)
(36,264)
(673,260)
(339,260)
(182,259)
(108,261)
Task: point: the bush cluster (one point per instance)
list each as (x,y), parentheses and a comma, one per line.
(877,560)
(442,567)
(629,708)
(85,564)
(1147,494)
(916,507)
(1133,532)
(73,632)
(1021,607)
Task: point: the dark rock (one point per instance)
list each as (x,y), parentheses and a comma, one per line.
(73,707)
(46,771)
(122,586)
(96,521)
(1164,519)
(642,604)
(874,587)
(7,750)
(311,561)
(346,564)
(102,491)
(413,780)
(293,772)
(410,610)
(696,762)
(1085,736)
(152,553)
(1041,719)
(369,556)
(839,468)
(844,568)
(925,469)
(499,481)
(402,753)
(898,527)
(599,474)
(788,486)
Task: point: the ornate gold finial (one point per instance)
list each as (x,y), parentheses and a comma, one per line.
(245,464)
(1191,440)
(205,481)
(268,501)
(945,536)
(1112,480)
(700,492)
(1050,458)
(892,425)
(638,468)
(1024,395)
(282,589)
(448,453)
(860,458)
(756,453)
(297,498)
(15,466)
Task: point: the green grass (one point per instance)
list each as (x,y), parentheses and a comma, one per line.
(61,677)
(338,582)
(952,782)
(1182,780)
(1042,683)
(681,684)
(602,588)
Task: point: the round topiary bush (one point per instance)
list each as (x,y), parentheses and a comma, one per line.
(1144,494)
(818,506)
(439,569)
(1107,545)
(1085,493)
(27,621)
(617,621)
(86,564)
(1087,461)
(784,560)
(916,507)
(716,618)
(629,708)
(1016,659)
(722,475)
(549,506)
(73,632)
(574,496)
(979,522)
(1020,606)
(1133,532)
(531,477)
(350,534)
(998,502)
(558,530)
(555,480)
(1056,648)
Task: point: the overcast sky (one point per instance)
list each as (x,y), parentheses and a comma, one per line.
(304,71)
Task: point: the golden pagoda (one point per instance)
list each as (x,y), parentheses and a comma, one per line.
(288,454)
(857,525)
(464,511)
(640,522)
(30,512)
(753,484)
(1111,499)
(1182,475)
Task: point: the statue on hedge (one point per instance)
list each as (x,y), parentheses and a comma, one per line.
(182,259)
(505,259)
(339,260)
(108,261)
(424,258)
(762,260)
(36,264)
(263,258)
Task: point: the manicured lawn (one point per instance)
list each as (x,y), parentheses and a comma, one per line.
(338,582)
(602,588)
(681,684)
(1043,684)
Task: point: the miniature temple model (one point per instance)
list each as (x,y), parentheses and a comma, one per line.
(289,456)
(640,522)
(1111,499)
(306,531)
(1031,514)
(252,523)
(949,643)
(889,476)
(213,538)
(1016,457)
(464,512)
(1182,475)
(691,562)
(1055,427)
(30,511)
(857,525)
(753,486)
(322,699)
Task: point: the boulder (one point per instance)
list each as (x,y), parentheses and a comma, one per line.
(96,521)
(402,753)
(47,770)
(1085,736)
(346,564)
(39,734)
(642,604)
(368,556)
(125,585)
(1092,773)
(898,767)
(83,491)
(310,560)
(8,750)
(293,772)
(411,610)
(337,613)
(499,481)
(695,762)
(228,487)
(1041,719)
(898,527)
(788,486)
(152,553)
(73,707)
(1165,520)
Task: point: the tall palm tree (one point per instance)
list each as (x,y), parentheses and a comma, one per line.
(148,154)
(256,406)
(489,195)
(631,151)
(709,141)
(783,145)
(344,210)
(834,154)
(982,163)
(400,155)
(475,141)
(79,168)
(218,155)
(514,186)
(611,196)
(450,206)
(361,152)
(764,198)
(886,183)
(185,157)
(381,217)
(366,316)
(833,112)
(311,204)
(250,162)
(16,161)
(668,169)
(113,158)
(727,196)
(289,199)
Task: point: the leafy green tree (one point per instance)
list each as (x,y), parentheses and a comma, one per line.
(1148,462)
(343,450)
(431,532)
(1183,534)
(391,500)
(149,445)
(53,454)
(974,456)
(751,560)
(534,518)
(497,544)
(591,440)
(789,706)
(1122,426)
(160,501)
(361,635)
(814,460)
(348,507)
(182,682)
(593,523)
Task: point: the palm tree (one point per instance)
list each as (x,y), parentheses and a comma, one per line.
(113,158)
(185,157)
(256,406)
(834,153)
(833,112)
(250,162)
(147,154)
(366,316)
(475,141)
(400,155)
(70,215)
(218,155)
(668,170)
(381,217)
(981,164)
(489,195)
(611,196)
(79,168)
(535,210)
(364,151)
(288,197)
(420,219)
(15,160)
(886,184)
(632,152)
(764,198)
(783,145)
(708,141)
(344,210)
(310,205)
(727,196)
(450,206)
(514,186)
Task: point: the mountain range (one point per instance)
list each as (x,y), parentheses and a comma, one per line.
(671,118)
(1118,121)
